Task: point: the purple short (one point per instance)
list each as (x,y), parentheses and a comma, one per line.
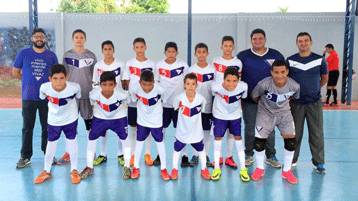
(143,132)
(132,116)
(100,126)
(169,114)
(206,120)
(178,146)
(220,127)
(54,132)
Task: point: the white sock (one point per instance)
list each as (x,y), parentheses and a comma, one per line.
(133,137)
(241,153)
(162,155)
(217,149)
(260,156)
(103,141)
(176,156)
(195,153)
(127,150)
(66,143)
(50,153)
(287,159)
(184,151)
(91,148)
(148,144)
(207,142)
(230,143)
(137,153)
(120,148)
(164,131)
(202,157)
(73,149)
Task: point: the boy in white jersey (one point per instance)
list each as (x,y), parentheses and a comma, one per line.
(149,95)
(221,63)
(109,63)
(170,74)
(134,68)
(227,115)
(62,116)
(272,94)
(205,76)
(109,114)
(190,129)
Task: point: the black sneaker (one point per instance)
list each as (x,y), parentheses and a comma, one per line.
(208,163)
(319,169)
(157,161)
(184,161)
(23,163)
(54,161)
(194,161)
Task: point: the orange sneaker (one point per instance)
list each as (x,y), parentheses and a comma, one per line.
(221,161)
(290,177)
(205,173)
(230,162)
(135,173)
(75,177)
(148,159)
(165,174)
(258,173)
(131,163)
(174,174)
(42,177)
(65,158)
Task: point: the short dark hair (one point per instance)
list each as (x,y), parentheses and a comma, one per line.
(191,76)
(107,42)
(257,31)
(231,71)
(303,34)
(171,44)
(227,38)
(279,62)
(201,45)
(147,76)
(58,68)
(37,30)
(139,39)
(330,46)
(78,31)
(107,76)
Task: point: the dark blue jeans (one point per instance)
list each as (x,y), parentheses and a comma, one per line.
(29,109)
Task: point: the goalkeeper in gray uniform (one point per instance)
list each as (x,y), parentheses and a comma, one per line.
(273,94)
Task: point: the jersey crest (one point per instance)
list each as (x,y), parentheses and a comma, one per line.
(189,112)
(111,107)
(150,101)
(231,99)
(171,73)
(204,77)
(270,61)
(60,101)
(137,71)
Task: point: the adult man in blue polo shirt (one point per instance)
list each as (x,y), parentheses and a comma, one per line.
(310,71)
(32,68)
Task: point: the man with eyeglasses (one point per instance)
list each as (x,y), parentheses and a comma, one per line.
(32,66)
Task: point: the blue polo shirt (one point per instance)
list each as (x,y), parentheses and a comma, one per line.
(35,71)
(307,72)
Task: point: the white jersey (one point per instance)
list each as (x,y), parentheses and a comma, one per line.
(149,107)
(222,64)
(134,68)
(227,105)
(189,127)
(62,106)
(111,108)
(171,77)
(205,79)
(117,67)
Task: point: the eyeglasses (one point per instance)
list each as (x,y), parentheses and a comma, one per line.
(37,37)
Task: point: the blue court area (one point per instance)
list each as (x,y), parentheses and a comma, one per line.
(339,183)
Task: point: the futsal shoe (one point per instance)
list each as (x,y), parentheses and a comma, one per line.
(194,161)
(86,172)
(121,160)
(65,158)
(42,177)
(148,159)
(99,160)
(165,174)
(131,162)
(326,104)
(221,161)
(258,173)
(243,175)
(174,174)
(75,177)
(205,173)
(157,161)
(273,162)
(230,162)
(208,163)
(216,174)
(249,160)
(23,162)
(319,169)
(135,173)
(126,173)
(184,161)
(289,176)
(334,104)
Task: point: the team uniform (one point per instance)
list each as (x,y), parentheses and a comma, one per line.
(149,120)
(62,116)
(333,75)
(274,110)
(227,115)
(190,129)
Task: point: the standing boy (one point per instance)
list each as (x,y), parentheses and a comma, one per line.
(272,95)
(333,73)
(62,116)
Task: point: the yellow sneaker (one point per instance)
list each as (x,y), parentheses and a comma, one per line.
(216,174)
(243,175)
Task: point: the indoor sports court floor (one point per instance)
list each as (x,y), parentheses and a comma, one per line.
(339,182)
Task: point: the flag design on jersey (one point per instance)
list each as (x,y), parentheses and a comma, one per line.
(111,107)
(231,99)
(60,101)
(189,112)
(221,68)
(171,73)
(150,101)
(277,98)
(79,63)
(116,72)
(270,61)
(204,77)
(137,71)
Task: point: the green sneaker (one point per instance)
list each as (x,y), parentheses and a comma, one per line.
(243,175)
(126,173)
(121,160)
(99,160)
(216,174)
